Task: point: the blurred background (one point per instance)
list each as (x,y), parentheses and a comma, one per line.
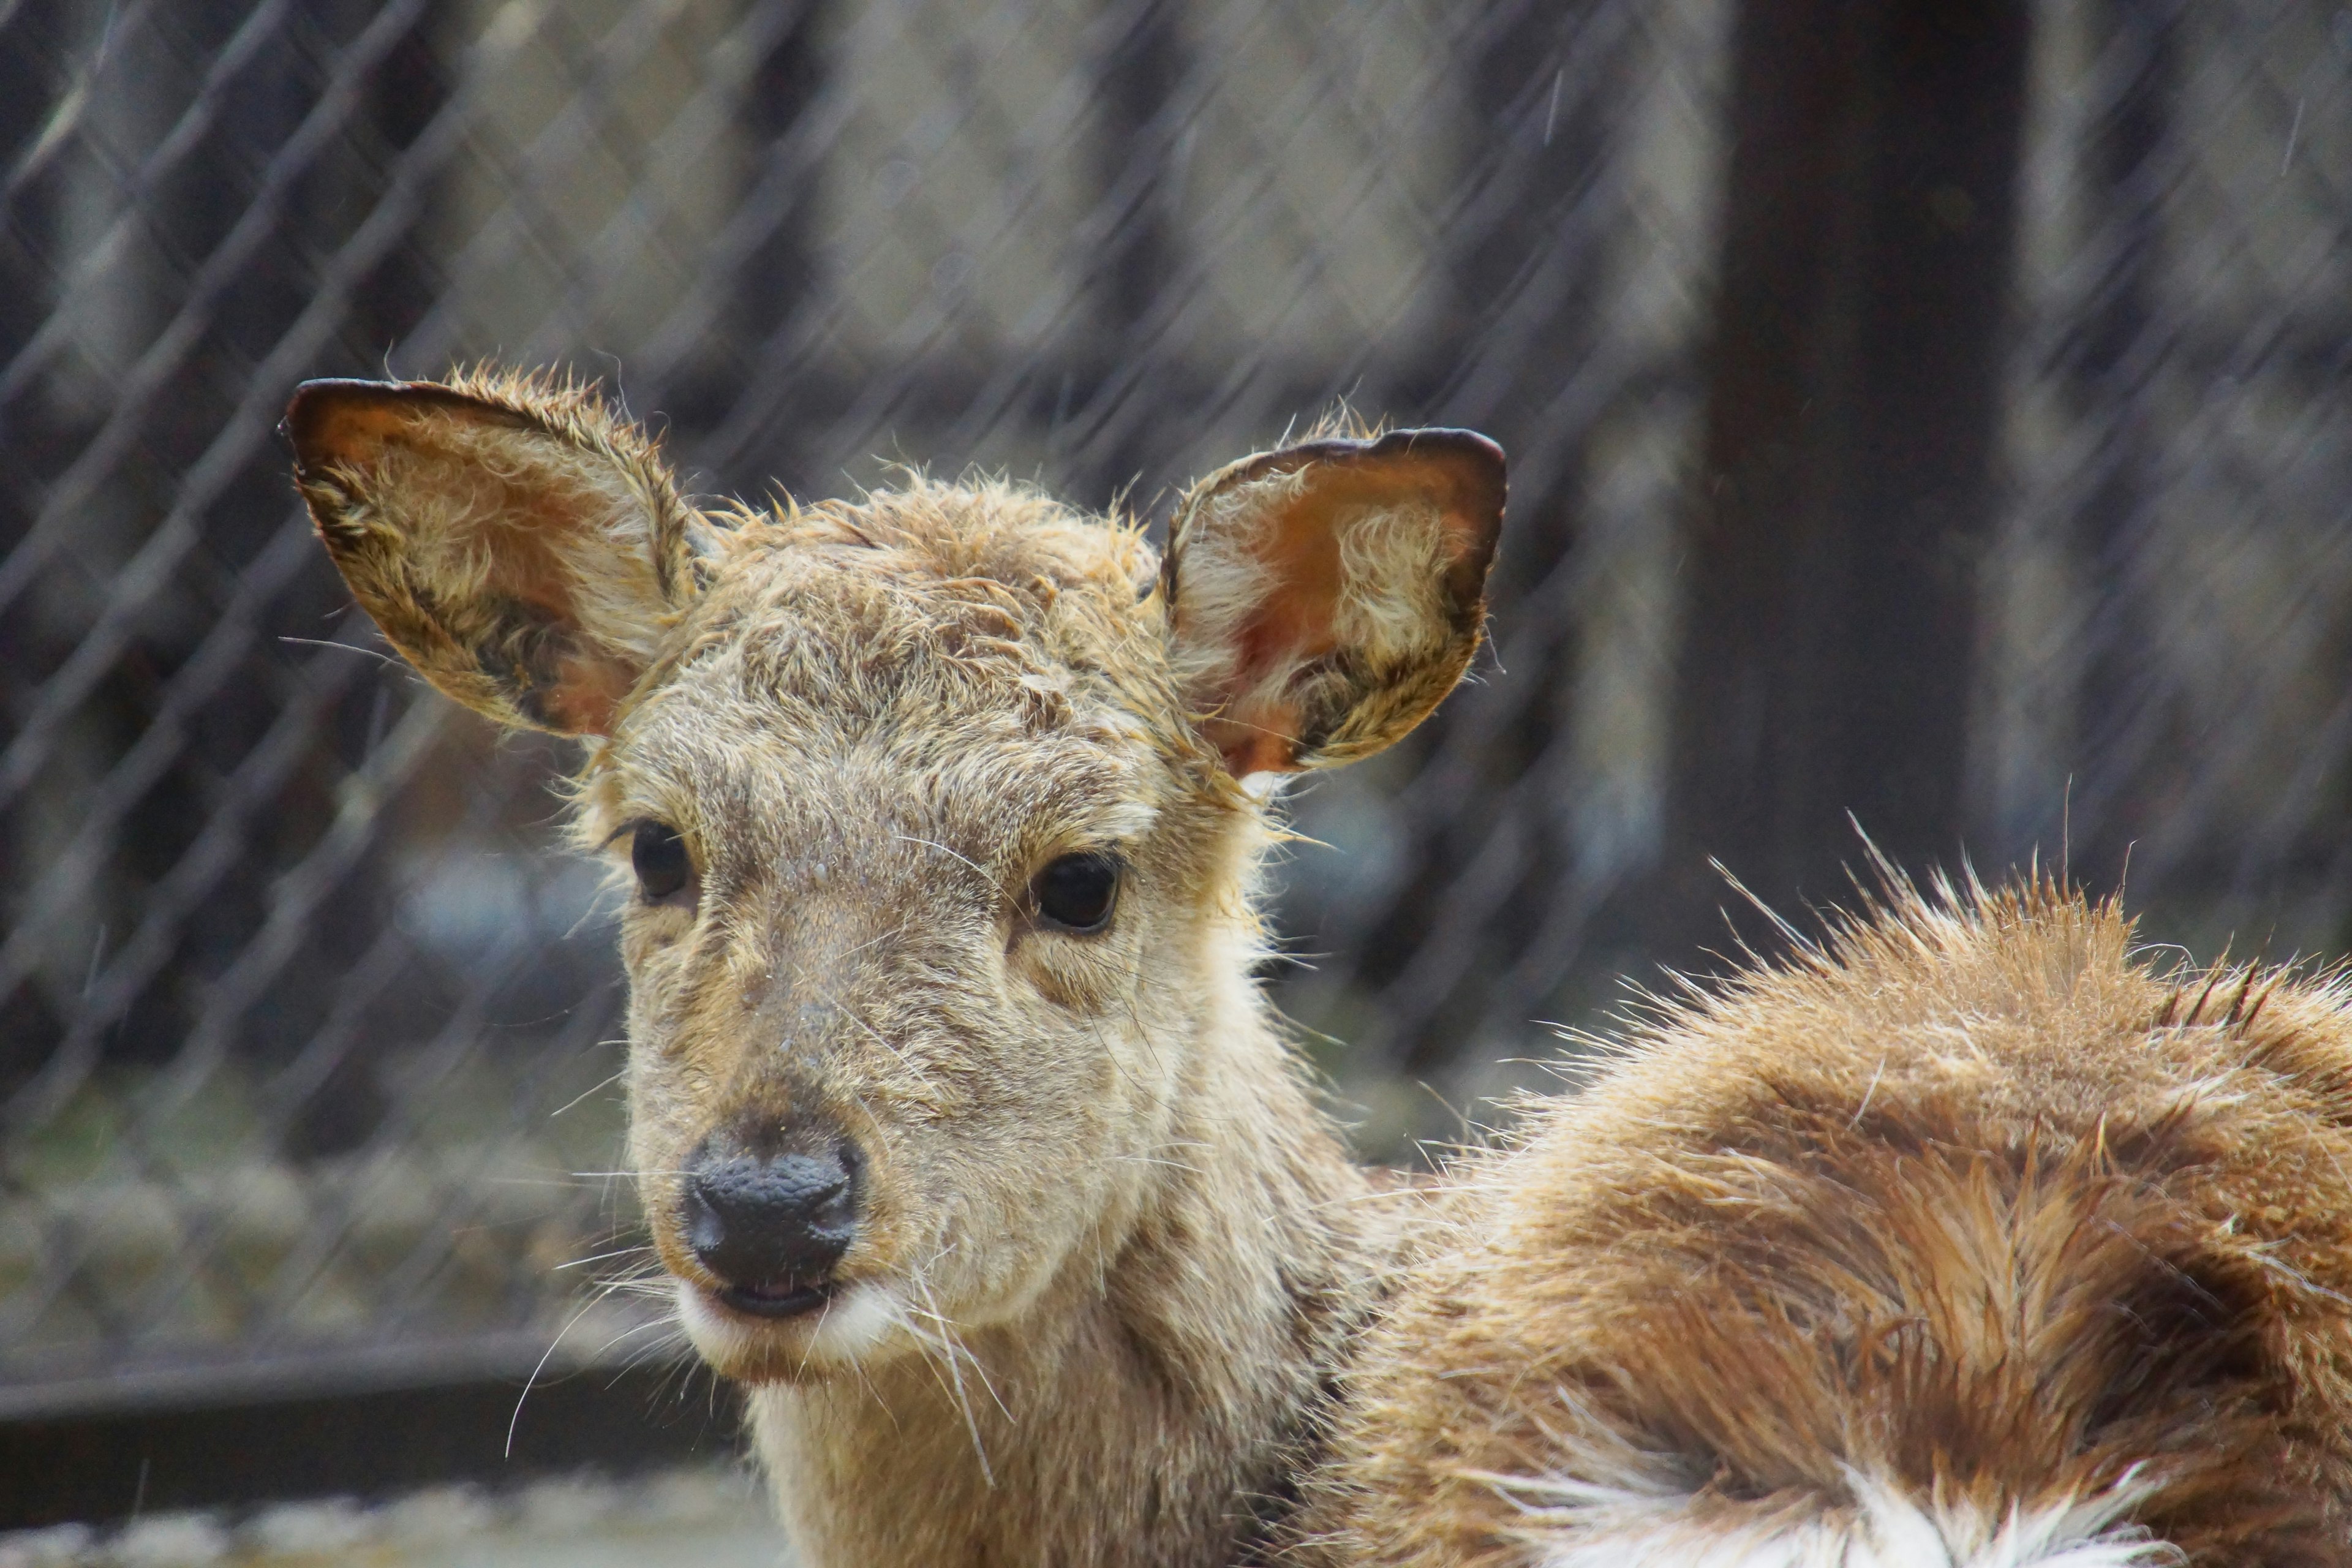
(1925,415)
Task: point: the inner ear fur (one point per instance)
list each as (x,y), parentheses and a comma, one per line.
(1325,598)
(520,545)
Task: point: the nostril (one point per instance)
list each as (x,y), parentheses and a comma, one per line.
(705,1231)
(831,1212)
(775,1225)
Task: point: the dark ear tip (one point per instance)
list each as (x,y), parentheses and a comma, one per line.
(1480,471)
(333,419)
(1469,446)
(314,403)
(1478,457)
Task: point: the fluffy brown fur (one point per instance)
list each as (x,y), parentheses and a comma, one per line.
(1969,1207)
(1966,1239)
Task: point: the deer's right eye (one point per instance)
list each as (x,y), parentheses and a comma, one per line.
(658,856)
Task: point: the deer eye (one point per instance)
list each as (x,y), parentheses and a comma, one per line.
(658,856)
(1076,891)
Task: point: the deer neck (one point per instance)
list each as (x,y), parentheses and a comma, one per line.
(1157,1410)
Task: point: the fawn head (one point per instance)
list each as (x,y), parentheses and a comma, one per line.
(931,807)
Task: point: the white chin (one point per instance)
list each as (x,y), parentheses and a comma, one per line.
(846,1328)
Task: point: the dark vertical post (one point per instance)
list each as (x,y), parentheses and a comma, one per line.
(779,275)
(34,44)
(1139,71)
(1851,413)
(776,282)
(403,94)
(2125,177)
(32,49)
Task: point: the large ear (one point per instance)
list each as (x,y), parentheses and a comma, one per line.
(1325,598)
(522,546)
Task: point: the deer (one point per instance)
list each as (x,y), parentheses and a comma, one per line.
(1965,1233)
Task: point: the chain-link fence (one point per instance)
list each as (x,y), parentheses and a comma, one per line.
(306,1034)
(2169,609)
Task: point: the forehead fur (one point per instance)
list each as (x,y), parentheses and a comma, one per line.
(938,615)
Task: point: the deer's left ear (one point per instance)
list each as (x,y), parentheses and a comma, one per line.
(1323,599)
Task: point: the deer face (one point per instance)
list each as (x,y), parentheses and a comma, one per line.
(907,988)
(928,809)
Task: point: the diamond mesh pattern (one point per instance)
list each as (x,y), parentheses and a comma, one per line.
(307,1033)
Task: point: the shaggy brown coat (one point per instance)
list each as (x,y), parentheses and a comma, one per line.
(1967,1238)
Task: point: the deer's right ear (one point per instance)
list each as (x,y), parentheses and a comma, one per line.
(521,546)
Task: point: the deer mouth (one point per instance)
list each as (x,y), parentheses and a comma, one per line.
(775,1298)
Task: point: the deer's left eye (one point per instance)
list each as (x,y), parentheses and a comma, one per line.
(1078,892)
(658,853)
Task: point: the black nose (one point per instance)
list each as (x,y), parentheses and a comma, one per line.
(771,1227)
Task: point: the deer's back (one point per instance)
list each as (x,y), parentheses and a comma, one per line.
(1971,1242)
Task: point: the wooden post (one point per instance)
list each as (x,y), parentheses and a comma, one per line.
(1853,406)
(2104,378)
